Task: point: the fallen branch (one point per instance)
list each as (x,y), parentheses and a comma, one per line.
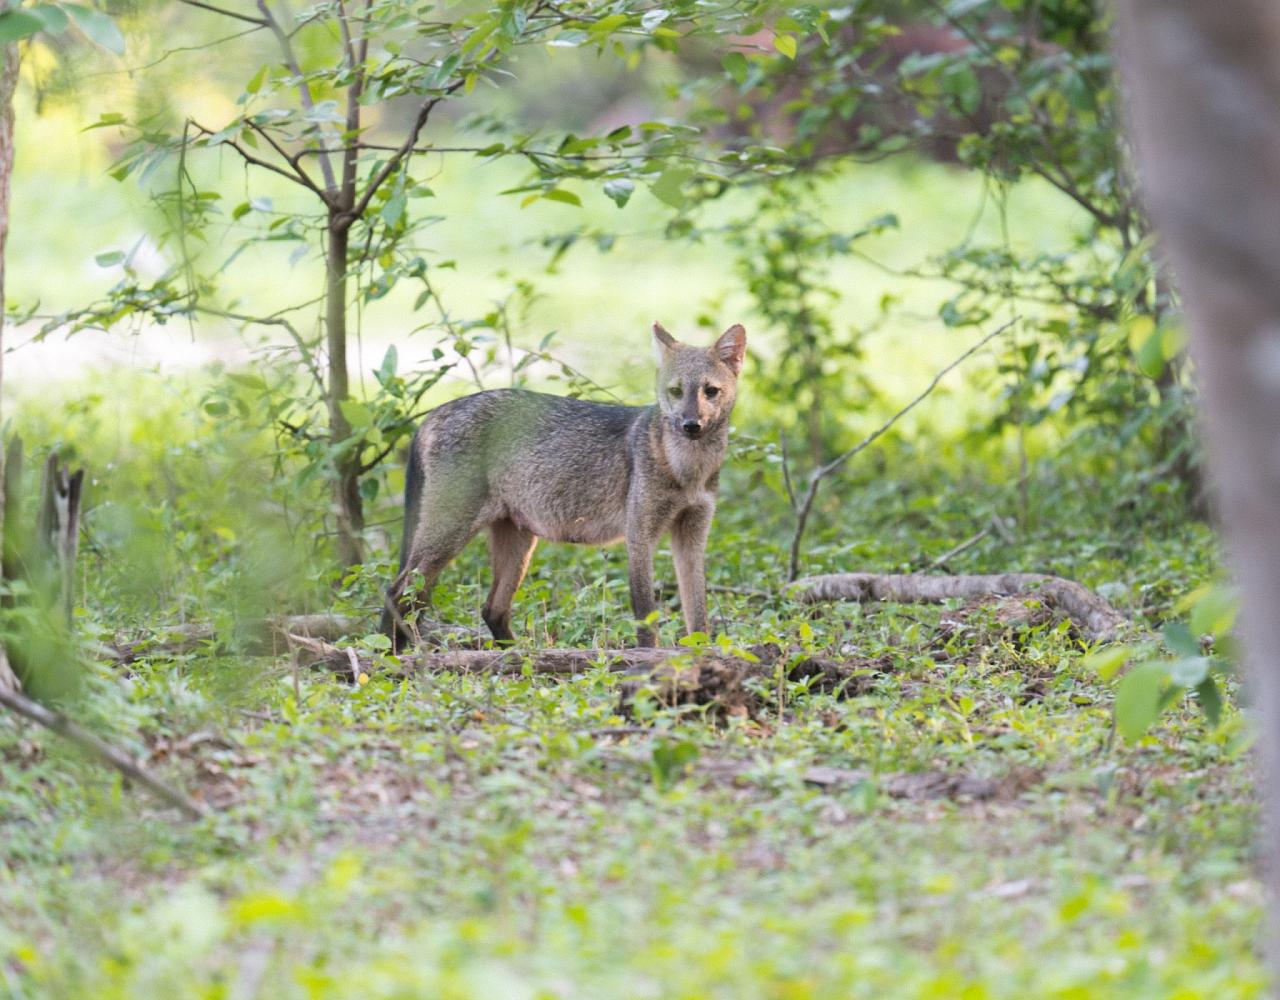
(268,636)
(821,472)
(1098,619)
(19,703)
(315,652)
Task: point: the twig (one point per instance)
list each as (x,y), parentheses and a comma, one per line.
(308,353)
(247,18)
(303,180)
(60,724)
(614,731)
(820,473)
(967,544)
(719,588)
(304,95)
(786,469)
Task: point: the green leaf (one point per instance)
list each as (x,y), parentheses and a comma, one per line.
(1209,698)
(619,190)
(1107,662)
(387,369)
(1138,699)
(109,259)
(786,44)
(669,187)
(16,24)
(52,18)
(654,18)
(1189,672)
(106,120)
(567,197)
(736,65)
(241,210)
(97,26)
(671,761)
(608,24)
(1178,638)
(394,208)
(259,78)
(357,413)
(1215,613)
(1150,355)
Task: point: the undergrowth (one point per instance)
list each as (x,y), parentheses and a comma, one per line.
(961,822)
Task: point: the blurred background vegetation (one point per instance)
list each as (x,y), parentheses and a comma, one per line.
(870,188)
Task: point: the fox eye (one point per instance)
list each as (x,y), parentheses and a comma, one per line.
(676,392)
(711,391)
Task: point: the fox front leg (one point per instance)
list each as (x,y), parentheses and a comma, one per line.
(640,572)
(689,549)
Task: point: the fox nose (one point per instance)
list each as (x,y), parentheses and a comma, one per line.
(692,427)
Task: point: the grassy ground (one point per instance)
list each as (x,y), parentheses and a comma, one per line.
(957,821)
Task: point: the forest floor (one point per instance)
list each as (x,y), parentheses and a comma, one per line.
(943,812)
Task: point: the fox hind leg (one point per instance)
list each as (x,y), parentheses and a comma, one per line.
(510,549)
(431,551)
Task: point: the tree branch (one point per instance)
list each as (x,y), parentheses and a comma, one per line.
(247,18)
(304,91)
(403,150)
(60,724)
(820,473)
(307,352)
(302,180)
(303,176)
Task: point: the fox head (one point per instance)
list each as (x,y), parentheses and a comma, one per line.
(697,385)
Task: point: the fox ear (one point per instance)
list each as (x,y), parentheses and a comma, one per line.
(662,342)
(732,347)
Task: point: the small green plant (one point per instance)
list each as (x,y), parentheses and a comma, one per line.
(1190,658)
(671,761)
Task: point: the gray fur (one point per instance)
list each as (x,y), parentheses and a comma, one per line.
(525,465)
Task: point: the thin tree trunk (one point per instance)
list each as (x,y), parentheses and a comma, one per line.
(346,485)
(1204,99)
(8,87)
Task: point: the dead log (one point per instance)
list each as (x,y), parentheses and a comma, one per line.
(1095,617)
(264,637)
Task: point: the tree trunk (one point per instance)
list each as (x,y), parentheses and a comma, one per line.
(346,482)
(8,87)
(1204,99)
(58,534)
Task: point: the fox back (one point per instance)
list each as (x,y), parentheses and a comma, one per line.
(527,465)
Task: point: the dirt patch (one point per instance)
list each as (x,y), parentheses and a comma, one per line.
(735,687)
(999,618)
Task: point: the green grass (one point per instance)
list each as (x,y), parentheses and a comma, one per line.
(456,836)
